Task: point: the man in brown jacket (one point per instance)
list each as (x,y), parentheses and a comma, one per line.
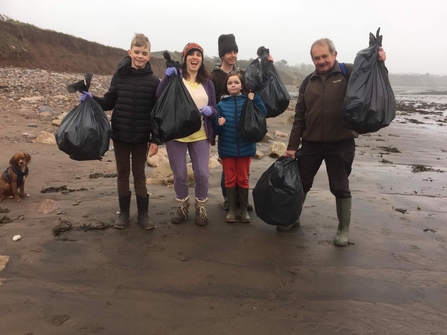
(318,125)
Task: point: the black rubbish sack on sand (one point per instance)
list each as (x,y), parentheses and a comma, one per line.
(253,124)
(84,133)
(262,77)
(369,104)
(278,194)
(175,115)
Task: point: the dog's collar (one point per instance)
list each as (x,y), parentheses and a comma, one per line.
(20,174)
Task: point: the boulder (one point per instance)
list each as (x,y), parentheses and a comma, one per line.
(46,138)
(277,149)
(47,206)
(280,134)
(159,158)
(259,155)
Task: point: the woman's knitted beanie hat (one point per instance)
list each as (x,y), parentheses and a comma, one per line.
(191,47)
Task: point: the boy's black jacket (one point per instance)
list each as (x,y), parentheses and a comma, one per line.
(132,96)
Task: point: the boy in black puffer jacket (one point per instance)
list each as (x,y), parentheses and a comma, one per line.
(132,96)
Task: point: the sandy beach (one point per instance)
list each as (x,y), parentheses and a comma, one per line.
(229,279)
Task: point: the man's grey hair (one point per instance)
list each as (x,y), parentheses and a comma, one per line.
(323,42)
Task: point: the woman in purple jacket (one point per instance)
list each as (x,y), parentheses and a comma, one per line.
(197,80)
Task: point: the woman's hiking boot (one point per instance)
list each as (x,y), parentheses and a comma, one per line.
(182,211)
(201,218)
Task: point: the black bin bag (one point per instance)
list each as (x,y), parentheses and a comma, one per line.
(253,125)
(262,77)
(369,104)
(278,194)
(175,115)
(84,134)
(82,85)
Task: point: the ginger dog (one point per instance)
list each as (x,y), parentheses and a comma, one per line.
(13,178)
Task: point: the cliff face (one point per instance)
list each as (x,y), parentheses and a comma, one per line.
(26,46)
(23,45)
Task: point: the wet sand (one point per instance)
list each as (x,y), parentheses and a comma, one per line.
(233,278)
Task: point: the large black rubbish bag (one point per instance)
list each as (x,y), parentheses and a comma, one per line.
(275,96)
(262,77)
(253,75)
(278,194)
(82,85)
(369,104)
(175,115)
(84,133)
(253,124)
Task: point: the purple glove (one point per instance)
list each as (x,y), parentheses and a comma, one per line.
(207,111)
(84,96)
(171,71)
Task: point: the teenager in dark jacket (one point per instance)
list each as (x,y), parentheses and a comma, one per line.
(234,151)
(132,96)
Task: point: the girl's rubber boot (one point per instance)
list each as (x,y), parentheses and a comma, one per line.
(232,207)
(243,200)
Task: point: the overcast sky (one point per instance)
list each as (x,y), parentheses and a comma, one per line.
(414,31)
